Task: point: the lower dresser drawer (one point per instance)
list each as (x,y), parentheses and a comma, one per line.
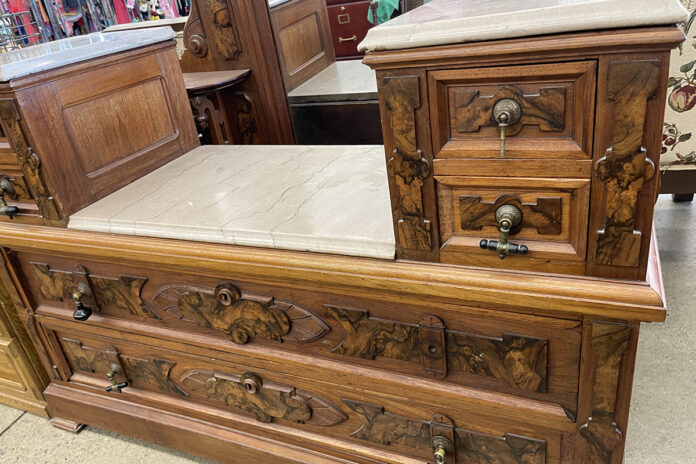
(353,413)
(522,356)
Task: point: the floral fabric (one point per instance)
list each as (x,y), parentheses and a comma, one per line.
(679,131)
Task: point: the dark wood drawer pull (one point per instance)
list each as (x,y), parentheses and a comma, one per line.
(349,39)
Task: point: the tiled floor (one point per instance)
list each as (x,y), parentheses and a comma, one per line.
(663,412)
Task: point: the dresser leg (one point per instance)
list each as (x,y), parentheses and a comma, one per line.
(67,425)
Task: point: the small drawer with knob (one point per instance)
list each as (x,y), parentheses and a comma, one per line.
(514,112)
(536,224)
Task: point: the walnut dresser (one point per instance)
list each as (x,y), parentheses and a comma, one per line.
(474,296)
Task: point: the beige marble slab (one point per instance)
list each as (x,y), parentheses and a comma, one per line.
(330,199)
(348,80)
(443,22)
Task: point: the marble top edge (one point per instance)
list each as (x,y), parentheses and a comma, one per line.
(179,20)
(349,80)
(275,3)
(323,199)
(51,55)
(444,22)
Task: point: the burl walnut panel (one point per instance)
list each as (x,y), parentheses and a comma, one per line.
(623,181)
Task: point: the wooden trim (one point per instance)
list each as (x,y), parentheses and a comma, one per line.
(538,48)
(518,291)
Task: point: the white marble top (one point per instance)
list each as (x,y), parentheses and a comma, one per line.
(443,22)
(50,55)
(274,3)
(330,199)
(348,80)
(174,23)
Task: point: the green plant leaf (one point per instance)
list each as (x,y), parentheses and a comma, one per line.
(684,137)
(687,67)
(672,81)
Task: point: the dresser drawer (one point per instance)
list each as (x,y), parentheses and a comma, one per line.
(349,25)
(520,355)
(553,222)
(312,403)
(555,103)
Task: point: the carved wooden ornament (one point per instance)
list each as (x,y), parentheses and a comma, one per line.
(407,167)
(386,429)
(625,168)
(263,400)
(240,315)
(28,160)
(519,361)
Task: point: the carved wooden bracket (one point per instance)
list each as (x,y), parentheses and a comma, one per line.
(263,400)
(519,361)
(28,160)
(240,315)
(386,429)
(221,27)
(123,292)
(544,215)
(625,168)
(545,109)
(246,120)
(601,432)
(407,167)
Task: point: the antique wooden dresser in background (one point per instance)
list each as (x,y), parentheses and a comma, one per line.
(471,292)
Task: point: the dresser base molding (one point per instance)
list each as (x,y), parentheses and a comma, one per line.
(66,424)
(201,438)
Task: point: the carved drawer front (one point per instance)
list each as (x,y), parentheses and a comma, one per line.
(552,222)
(554,111)
(266,395)
(525,356)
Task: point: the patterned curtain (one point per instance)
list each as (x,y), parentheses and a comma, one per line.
(679,134)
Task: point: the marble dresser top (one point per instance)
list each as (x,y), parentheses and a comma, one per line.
(330,199)
(442,22)
(348,80)
(50,55)
(177,24)
(274,3)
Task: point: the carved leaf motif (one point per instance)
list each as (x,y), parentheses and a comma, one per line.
(262,400)
(247,316)
(386,429)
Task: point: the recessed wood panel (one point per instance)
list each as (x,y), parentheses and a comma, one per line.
(553,227)
(303,40)
(121,132)
(556,101)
